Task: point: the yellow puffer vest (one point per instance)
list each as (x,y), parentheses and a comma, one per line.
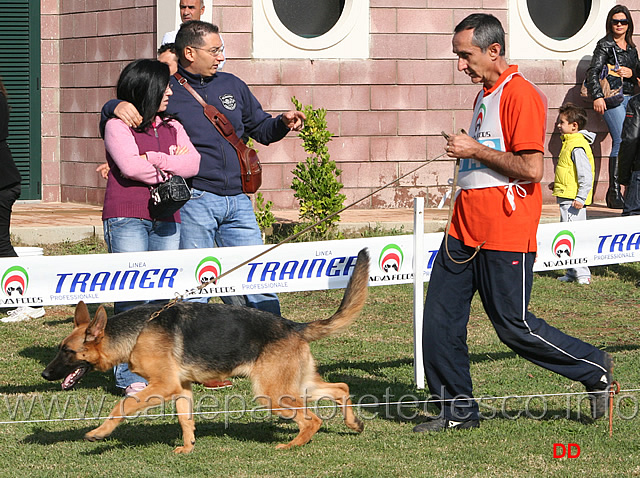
(566,180)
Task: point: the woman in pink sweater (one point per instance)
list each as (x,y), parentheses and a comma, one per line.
(135,155)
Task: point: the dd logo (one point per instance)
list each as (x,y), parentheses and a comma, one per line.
(571,450)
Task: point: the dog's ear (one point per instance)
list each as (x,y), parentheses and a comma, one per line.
(81,316)
(95,331)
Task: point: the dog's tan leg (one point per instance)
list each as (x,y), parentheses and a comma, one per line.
(184,408)
(339,393)
(277,383)
(307,421)
(128,406)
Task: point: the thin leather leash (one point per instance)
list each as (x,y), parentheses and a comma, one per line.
(451,205)
(181,297)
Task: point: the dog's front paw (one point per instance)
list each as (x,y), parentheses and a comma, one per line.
(94,435)
(357,426)
(183,449)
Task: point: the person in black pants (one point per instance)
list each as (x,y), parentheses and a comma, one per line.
(9,179)
(491,244)
(9,193)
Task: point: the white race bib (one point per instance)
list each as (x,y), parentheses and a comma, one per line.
(486,128)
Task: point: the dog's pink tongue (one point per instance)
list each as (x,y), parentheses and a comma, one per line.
(71,379)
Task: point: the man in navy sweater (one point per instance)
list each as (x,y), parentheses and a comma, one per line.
(219,214)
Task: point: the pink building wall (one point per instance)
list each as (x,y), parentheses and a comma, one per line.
(386,112)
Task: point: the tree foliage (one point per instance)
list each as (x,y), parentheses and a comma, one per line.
(315,181)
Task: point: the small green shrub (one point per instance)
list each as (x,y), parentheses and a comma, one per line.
(315,180)
(264,216)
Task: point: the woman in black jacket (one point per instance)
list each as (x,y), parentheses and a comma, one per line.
(616,48)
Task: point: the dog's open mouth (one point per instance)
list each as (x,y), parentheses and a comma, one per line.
(69,382)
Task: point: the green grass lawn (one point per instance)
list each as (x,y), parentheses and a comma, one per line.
(375,358)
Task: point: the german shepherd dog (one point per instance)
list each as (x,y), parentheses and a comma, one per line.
(194,342)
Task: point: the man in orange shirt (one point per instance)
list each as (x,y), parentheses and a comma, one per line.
(491,245)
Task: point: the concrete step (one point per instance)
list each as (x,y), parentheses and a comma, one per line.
(35,222)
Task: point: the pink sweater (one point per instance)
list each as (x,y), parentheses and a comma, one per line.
(122,147)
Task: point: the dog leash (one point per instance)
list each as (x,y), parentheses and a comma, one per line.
(194,290)
(450,216)
(451,205)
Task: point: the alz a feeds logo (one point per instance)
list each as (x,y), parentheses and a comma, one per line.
(563,244)
(15,281)
(208,269)
(391,258)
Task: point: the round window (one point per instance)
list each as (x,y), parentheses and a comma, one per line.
(563,26)
(312,24)
(309,18)
(568,18)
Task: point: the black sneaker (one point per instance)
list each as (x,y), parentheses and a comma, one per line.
(439,424)
(599,394)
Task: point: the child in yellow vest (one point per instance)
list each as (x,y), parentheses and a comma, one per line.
(573,184)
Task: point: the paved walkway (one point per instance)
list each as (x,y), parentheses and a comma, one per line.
(44,223)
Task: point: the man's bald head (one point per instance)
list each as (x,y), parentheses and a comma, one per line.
(191,9)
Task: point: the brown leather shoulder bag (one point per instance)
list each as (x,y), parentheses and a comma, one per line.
(250,167)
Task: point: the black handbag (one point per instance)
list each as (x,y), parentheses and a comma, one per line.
(168,196)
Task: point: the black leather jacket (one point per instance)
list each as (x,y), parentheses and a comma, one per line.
(629,154)
(602,55)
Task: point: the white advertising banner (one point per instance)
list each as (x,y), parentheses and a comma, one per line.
(51,280)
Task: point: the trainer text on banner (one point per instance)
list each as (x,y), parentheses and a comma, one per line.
(96,278)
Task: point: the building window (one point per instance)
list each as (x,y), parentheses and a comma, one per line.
(309,18)
(311,29)
(569,16)
(552,29)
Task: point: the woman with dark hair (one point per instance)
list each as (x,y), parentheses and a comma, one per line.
(617,49)
(135,156)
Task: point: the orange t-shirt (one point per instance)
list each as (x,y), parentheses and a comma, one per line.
(482,215)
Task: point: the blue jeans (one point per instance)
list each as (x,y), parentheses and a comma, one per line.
(570,214)
(614,118)
(130,234)
(209,220)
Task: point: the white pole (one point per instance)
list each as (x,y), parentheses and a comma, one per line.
(418,288)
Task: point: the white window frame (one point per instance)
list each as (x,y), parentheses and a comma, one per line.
(349,37)
(527,42)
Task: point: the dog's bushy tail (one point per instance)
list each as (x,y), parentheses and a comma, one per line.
(351,305)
